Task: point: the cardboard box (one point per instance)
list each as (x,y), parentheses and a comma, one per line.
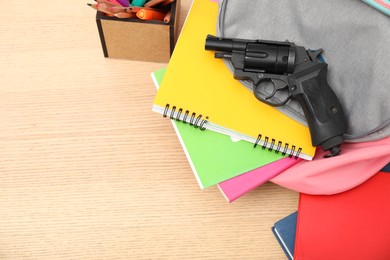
(137,39)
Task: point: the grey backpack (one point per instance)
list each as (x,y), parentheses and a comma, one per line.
(356,42)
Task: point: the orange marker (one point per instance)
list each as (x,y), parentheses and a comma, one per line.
(146,14)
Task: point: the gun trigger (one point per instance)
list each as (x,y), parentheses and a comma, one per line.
(278,85)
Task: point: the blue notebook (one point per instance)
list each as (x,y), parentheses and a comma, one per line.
(386,168)
(284,231)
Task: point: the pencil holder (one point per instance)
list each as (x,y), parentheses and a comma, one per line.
(136,39)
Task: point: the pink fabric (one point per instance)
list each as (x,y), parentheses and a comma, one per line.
(324,176)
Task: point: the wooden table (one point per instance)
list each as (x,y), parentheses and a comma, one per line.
(88,171)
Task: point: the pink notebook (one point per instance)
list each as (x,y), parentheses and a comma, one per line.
(236,187)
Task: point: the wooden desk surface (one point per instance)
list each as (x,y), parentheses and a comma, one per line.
(88,171)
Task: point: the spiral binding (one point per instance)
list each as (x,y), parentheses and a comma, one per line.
(278,147)
(194,120)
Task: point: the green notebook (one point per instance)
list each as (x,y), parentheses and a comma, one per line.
(215,157)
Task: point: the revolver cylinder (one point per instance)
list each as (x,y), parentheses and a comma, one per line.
(259,56)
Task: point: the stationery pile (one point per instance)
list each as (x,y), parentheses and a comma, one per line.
(155,10)
(238,143)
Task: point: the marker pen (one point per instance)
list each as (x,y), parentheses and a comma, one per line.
(146,14)
(138,2)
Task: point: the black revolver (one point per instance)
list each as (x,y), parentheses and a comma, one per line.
(293,73)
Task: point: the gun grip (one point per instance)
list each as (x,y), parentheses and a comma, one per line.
(322,108)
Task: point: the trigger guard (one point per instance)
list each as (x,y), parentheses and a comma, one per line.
(282,102)
(258,94)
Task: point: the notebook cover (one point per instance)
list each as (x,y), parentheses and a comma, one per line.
(197,82)
(284,231)
(236,187)
(350,225)
(214,157)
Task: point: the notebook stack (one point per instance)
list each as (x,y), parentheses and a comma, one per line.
(230,138)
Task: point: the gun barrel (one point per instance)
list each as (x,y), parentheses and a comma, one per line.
(224,44)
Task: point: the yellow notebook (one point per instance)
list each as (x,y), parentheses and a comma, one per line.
(199,89)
